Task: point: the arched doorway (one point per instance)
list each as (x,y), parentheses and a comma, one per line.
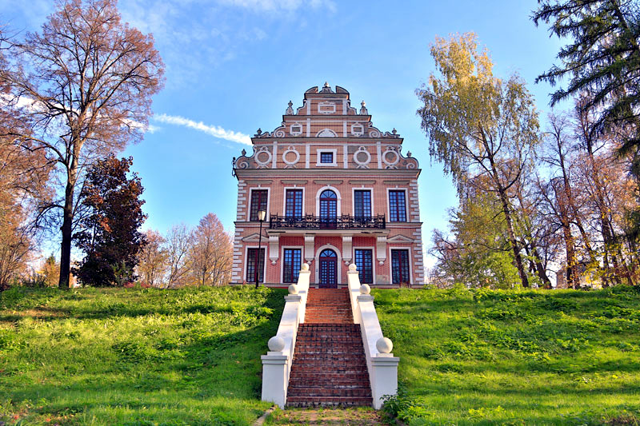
(328,209)
(328,269)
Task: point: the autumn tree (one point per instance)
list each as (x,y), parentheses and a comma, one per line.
(24,181)
(482,129)
(153,259)
(178,245)
(109,232)
(211,252)
(84,84)
(476,252)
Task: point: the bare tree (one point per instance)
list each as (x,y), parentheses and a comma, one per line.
(85,83)
(211,252)
(153,265)
(177,246)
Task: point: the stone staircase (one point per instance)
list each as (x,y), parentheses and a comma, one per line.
(329,366)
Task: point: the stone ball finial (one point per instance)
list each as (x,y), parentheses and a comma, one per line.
(384,345)
(353,267)
(365,289)
(363,103)
(305,267)
(293,289)
(326,84)
(276,344)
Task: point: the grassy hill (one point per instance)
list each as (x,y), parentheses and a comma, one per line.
(134,356)
(516,357)
(192,356)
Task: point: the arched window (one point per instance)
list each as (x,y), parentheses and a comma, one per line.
(328,209)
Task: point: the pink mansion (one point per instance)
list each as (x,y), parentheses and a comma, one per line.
(331,190)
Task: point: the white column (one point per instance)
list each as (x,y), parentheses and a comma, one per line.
(274,248)
(346,248)
(309,241)
(274,378)
(381,249)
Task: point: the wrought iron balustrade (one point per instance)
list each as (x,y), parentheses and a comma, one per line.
(316,222)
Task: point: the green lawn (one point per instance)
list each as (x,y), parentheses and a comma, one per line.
(516,357)
(192,356)
(134,356)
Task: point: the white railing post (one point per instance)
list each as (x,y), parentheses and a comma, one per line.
(276,364)
(382,365)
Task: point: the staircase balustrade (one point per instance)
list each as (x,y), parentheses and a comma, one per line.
(382,365)
(277,362)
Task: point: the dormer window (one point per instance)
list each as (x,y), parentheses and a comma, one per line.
(296,129)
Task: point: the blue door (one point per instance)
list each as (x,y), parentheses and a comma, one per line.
(328,269)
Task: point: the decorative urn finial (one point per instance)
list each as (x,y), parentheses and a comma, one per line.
(363,110)
(290,109)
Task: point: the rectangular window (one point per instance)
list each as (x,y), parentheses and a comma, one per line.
(253,259)
(364,262)
(362,204)
(291,264)
(326,157)
(258,202)
(293,207)
(397,206)
(400,267)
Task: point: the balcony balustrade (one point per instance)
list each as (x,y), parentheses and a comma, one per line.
(316,222)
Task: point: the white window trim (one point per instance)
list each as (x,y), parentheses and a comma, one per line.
(246,261)
(353,200)
(301,248)
(373,260)
(319,153)
(331,110)
(284,202)
(296,133)
(258,188)
(316,263)
(339,203)
(391,264)
(406,212)
(358,133)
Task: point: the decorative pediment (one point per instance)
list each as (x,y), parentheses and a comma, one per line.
(253,238)
(326,133)
(400,239)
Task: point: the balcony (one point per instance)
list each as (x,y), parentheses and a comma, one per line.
(315,222)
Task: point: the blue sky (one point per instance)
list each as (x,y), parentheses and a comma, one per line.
(232,66)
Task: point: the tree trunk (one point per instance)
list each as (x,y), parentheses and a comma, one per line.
(512,239)
(67,229)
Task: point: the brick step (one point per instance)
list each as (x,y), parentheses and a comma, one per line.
(335,362)
(355,328)
(312,391)
(310,383)
(323,376)
(317,347)
(314,402)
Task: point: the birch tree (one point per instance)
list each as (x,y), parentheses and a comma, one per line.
(481,128)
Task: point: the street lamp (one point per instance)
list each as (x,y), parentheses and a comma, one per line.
(261,215)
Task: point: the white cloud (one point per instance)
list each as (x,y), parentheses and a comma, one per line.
(214,131)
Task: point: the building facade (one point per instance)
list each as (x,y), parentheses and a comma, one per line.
(334,190)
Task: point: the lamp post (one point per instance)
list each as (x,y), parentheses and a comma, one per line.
(261,215)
